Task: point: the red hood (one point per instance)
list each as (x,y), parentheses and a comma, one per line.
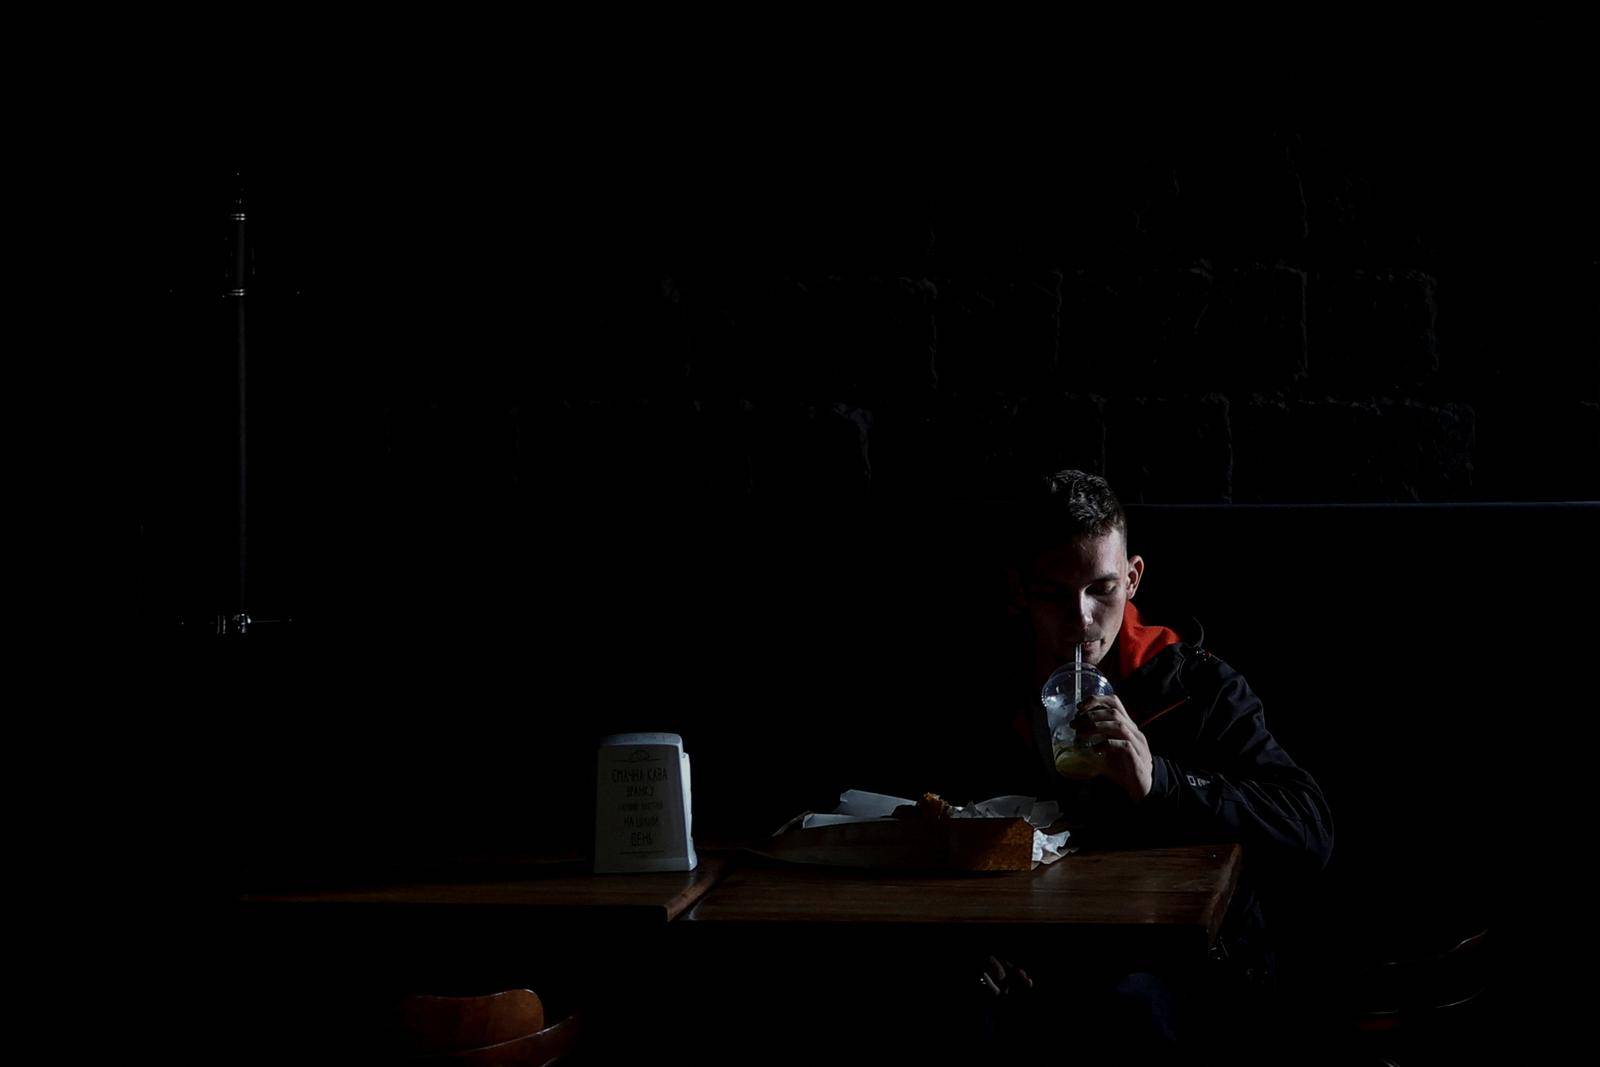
(1137,644)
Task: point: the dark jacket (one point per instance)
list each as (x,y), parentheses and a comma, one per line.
(1218,775)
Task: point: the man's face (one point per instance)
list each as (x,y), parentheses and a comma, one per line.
(1076,592)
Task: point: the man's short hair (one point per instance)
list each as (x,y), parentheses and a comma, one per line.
(1070,505)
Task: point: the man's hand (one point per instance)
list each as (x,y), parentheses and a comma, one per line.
(1105,725)
(1003,978)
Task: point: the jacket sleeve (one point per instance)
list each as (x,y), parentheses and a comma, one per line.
(1239,784)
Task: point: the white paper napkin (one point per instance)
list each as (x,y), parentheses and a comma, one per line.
(856,805)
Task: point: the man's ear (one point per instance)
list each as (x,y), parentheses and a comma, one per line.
(1135,574)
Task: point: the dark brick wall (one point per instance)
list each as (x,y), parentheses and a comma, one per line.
(1263,317)
(1395,309)
(640,399)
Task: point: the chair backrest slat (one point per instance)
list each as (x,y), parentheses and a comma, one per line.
(436,1025)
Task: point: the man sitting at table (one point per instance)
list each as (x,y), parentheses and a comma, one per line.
(1186,755)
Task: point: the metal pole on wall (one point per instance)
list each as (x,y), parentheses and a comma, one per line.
(237,620)
(240,619)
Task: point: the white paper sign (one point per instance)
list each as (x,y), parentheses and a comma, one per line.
(643,815)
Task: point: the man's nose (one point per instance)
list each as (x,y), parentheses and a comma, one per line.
(1085,616)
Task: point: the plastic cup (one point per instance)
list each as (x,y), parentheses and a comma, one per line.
(1063,693)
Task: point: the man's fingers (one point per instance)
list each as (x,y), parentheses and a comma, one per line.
(1106,728)
(1114,743)
(1103,712)
(1000,976)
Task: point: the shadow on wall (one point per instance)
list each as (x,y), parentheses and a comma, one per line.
(1385,642)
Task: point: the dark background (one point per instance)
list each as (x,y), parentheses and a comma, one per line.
(672,396)
(603,394)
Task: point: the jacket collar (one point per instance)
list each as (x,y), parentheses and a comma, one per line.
(1148,697)
(1138,643)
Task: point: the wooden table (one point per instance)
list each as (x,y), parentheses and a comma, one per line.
(547,893)
(548,926)
(1174,898)
(732,949)
(317,965)
(892,959)
(1170,901)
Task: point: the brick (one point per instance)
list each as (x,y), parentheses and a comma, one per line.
(818,338)
(866,337)
(809,450)
(1371,330)
(1427,451)
(1374,200)
(1060,430)
(1170,450)
(702,320)
(1196,329)
(1351,451)
(1118,327)
(1249,335)
(936,448)
(1294,451)
(998,332)
(1216,328)
(1236,196)
(984,447)
(659,448)
(955,447)
(1532,333)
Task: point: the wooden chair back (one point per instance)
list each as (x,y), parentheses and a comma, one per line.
(442,1025)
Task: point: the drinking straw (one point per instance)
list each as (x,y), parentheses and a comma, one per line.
(1077,674)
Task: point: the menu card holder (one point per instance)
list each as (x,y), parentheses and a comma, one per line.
(643,815)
